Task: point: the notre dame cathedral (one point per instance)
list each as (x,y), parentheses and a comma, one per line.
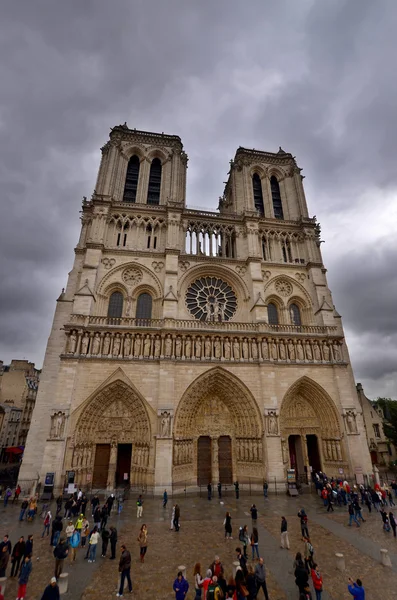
(193,346)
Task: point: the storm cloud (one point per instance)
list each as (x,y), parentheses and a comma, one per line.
(315,78)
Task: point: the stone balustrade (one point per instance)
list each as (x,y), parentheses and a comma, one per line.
(92,343)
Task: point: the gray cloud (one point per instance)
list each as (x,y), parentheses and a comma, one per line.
(312,77)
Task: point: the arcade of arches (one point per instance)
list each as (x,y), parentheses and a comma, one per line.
(218,434)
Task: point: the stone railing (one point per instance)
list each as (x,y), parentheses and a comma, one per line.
(195,325)
(93,343)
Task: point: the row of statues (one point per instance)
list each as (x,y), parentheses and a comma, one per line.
(151,346)
(249,450)
(83,455)
(183,452)
(332,450)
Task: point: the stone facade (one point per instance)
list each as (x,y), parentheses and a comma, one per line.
(191,346)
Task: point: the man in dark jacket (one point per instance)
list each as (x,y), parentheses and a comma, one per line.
(6,542)
(60,552)
(28,546)
(52,591)
(24,506)
(260,578)
(56,529)
(94,503)
(113,542)
(177,517)
(242,560)
(301,577)
(4,558)
(124,569)
(109,502)
(105,540)
(17,553)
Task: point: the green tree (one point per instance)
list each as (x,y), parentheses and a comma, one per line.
(389,408)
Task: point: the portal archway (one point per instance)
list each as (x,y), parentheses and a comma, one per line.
(218,432)
(111,443)
(310,430)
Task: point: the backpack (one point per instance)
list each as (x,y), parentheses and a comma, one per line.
(241,535)
(211,591)
(75,539)
(311,549)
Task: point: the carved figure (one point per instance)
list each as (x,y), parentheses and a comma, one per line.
(291,350)
(178,347)
(116,345)
(326,352)
(351,422)
(57,425)
(72,342)
(168,346)
(282,350)
(236,349)
(84,344)
(273,346)
(254,350)
(308,348)
(207,348)
(127,345)
(157,347)
(226,349)
(147,344)
(128,306)
(165,424)
(284,450)
(217,348)
(208,310)
(265,350)
(197,348)
(316,351)
(299,351)
(96,343)
(106,344)
(188,347)
(245,349)
(137,345)
(272,422)
(336,349)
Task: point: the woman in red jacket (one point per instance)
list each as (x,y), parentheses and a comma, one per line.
(317,581)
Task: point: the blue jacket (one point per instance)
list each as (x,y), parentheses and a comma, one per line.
(25,572)
(356,591)
(182,586)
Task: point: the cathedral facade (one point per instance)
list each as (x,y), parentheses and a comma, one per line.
(193,346)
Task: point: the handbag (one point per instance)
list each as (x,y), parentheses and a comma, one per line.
(243,591)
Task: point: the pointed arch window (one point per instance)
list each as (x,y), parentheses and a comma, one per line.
(276,197)
(272,314)
(115,308)
(153,195)
(258,196)
(295,315)
(131,180)
(144,306)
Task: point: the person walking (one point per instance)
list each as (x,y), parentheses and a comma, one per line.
(7,495)
(255,543)
(105,535)
(109,503)
(113,542)
(51,592)
(301,577)
(209,491)
(24,577)
(244,539)
(94,539)
(242,560)
(84,501)
(17,554)
(59,502)
(265,489)
(254,512)
(237,489)
(330,501)
(317,579)
(198,581)
(142,540)
(228,526)
(60,553)
(29,546)
(165,498)
(260,578)
(284,533)
(352,516)
(24,506)
(303,523)
(219,490)
(94,504)
(47,523)
(124,569)
(309,552)
(392,522)
(104,516)
(357,509)
(56,529)
(69,531)
(4,558)
(139,507)
(177,517)
(180,587)
(74,544)
(97,517)
(18,491)
(356,589)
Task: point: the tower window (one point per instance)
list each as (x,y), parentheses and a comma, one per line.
(153,195)
(115,308)
(131,180)
(295,315)
(276,197)
(144,306)
(258,196)
(272,314)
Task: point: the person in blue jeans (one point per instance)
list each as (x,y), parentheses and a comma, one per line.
(94,539)
(352,516)
(254,543)
(24,506)
(124,569)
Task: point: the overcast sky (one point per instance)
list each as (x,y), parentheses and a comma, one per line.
(317,78)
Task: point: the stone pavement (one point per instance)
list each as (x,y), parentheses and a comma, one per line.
(202,536)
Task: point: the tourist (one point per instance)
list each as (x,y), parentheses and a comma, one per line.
(260,578)
(32,509)
(317,579)
(47,523)
(242,560)
(216,567)
(180,587)
(251,584)
(69,531)
(214,591)
(254,543)
(60,553)
(244,539)
(79,523)
(330,501)
(241,586)
(7,495)
(105,535)
(94,539)
(24,506)
(139,507)
(109,503)
(303,522)
(113,542)
(284,533)
(124,569)
(56,529)
(59,502)
(6,542)
(94,504)
(4,558)
(51,592)
(177,517)
(198,580)
(309,552)
(209,491)
(29,546)
(74,544)
(254,512)
(206,582)
(265,489)
(220,490)
(97,517)
(356,589)
(357,509)
(68,507)
(18,491)
(352,516)
(165,498)
(85,529)
(228,526)
(24,575)
(84,501)
(231,587)
(301,577)
(142,540)
(172,518)
(237,489)
(104,516)
(17,554)
(222,584)
(392,522)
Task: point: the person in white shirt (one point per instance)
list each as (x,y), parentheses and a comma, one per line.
(94,539)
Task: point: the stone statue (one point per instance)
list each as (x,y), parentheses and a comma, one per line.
(157,347)
(96,344)
(137,345)
(165,424)
(72,342)
(245,349)
(147,344)
(351,422)
(217,348)
(272,423)
(316,351)
(178,347)
(236,349)
(188,347)
(57,425)
(254,350)
(291,350)
(84,344)
(299,351)
(127,345)
(309,354)
(226,349)
(265,349)
(207,347)
(326,352)
(208,310)
(197,348)
(116,345)
(176,453)
(128,306)
(106,345)
(274,350)
(336,349)
(282,350)
(168,346)
(284,450)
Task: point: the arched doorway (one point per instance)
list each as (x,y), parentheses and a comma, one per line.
(218,432)
(111,443)
(310,430)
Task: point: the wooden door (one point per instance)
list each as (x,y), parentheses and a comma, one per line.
(204,473)
(225,459)
(101,466)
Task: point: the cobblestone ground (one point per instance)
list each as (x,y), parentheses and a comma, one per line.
(201,537)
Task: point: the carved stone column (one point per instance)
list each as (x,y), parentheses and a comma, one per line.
(215,460)
(112,466)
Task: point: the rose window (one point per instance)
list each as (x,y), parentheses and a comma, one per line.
(211,299)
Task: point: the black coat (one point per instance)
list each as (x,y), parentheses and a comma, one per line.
(18,550)
(51,593)
(301,576)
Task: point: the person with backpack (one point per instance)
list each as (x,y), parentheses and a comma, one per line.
(56,529)
(309,552)
(24,575)
(60,553)
(303,522)
(214,591)
(74,544)
(260,578)
(244,539)
(317,579)
(181,587)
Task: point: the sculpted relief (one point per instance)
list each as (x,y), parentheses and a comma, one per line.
(58,420)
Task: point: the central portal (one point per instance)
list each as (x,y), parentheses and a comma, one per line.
(124,454)
(207,451)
